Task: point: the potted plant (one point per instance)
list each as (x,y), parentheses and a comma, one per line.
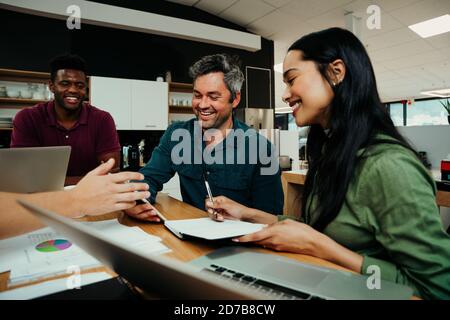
(446,106)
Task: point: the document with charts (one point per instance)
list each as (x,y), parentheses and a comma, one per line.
(45,252)
(40,254)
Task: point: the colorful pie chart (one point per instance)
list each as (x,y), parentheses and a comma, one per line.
(53,245)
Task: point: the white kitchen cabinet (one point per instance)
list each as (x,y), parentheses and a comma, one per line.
(149,101)
(114,96)
(134,104)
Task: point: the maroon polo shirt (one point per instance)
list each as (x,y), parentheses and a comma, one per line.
(92,135)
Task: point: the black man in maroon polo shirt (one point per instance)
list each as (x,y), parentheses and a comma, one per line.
(68,120)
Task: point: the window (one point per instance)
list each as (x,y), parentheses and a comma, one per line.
(418,113)
(426,112)
(396,111)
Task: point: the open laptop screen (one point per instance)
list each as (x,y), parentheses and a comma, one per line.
(27,170)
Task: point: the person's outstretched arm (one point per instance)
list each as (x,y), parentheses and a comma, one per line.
(97,193)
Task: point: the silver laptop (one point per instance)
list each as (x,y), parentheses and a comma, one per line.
(227,273)
(39,169)
(159,275)
(284,278)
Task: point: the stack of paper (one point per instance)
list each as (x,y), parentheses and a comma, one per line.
(136,239)
(41,254)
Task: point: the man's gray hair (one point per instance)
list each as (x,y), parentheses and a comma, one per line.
(224,63)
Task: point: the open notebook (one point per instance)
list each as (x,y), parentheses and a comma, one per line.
(206,228)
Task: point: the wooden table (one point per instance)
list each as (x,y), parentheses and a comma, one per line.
(182,250)
(293,182)
(443,198)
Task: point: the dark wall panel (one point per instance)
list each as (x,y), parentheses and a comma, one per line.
(32,41)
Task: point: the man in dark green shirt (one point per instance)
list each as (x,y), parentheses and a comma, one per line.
(234,159)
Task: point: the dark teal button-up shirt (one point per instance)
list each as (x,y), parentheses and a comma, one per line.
(234,167)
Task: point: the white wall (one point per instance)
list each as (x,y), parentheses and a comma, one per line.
(289,145)
(435,140)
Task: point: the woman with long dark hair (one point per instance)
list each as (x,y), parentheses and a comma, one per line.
(367,200)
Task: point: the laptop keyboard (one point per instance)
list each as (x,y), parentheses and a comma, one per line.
(273,290)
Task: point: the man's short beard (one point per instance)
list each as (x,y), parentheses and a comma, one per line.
(60,100)
(219,122)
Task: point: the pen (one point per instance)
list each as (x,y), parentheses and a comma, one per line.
(208,189)
(159,214)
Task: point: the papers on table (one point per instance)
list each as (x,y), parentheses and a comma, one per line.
(45,252)
(51,286)
(40,254)
(134,238)
(209,229)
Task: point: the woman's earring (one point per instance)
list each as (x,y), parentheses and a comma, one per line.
(334,84)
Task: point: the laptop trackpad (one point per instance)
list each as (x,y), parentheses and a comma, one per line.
(293,273)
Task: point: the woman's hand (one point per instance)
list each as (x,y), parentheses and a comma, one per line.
(225,208)
(287,235)
(297,237)
(99,192)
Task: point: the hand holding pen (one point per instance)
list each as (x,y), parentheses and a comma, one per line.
(213,214)
(226,209)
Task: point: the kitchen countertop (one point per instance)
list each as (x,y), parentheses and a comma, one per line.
(293,181)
